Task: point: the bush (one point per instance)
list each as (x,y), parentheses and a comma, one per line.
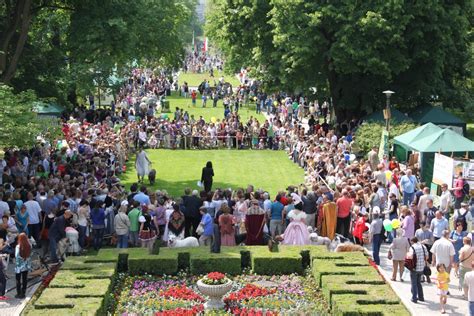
(184,262)
(274,263)
(225,263)
(245,259)
(369,134)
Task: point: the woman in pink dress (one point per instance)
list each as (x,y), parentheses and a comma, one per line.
(226,225)
(296,233)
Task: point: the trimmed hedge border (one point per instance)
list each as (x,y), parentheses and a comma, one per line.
(347,281)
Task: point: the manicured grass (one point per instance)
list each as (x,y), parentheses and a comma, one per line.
(208,112)
(194,79)
(179,169)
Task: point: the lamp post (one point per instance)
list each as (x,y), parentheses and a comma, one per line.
(387,113)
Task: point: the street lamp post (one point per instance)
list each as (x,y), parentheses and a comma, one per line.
(387,114)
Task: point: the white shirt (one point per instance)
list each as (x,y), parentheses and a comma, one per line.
(34,209)
(469,282)
(443,249)
(445,201)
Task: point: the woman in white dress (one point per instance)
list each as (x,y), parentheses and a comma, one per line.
(297,231)
(142,164)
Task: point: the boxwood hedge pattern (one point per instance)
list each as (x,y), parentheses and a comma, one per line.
(85,285)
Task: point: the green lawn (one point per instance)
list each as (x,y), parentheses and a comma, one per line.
(194,79)
(208,112)
(179,169)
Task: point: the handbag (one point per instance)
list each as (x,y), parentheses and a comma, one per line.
(200,229)
(410,263)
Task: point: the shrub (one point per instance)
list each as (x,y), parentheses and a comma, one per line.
(216,262)
(122,264)
(273,263)
(245,259)
(184,262)
(369,134)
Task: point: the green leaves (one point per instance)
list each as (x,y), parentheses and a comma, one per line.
(19,125)
(350,50)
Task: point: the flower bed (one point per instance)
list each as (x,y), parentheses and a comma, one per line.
(250,295)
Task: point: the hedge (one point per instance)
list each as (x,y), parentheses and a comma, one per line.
(85,285)
(352,288)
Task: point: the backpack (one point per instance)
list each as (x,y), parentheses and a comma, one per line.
(466,189)
(462,218)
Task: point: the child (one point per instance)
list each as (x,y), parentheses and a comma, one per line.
(443,285)
(208,225)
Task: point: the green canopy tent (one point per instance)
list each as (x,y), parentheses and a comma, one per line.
(440,117)
(444,141)
(401,143)
(396,116)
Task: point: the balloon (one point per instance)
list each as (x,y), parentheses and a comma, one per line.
(387,224)
(275,103)
(213,119)
(255,98)
(395,223)
(164,116)
(388,175)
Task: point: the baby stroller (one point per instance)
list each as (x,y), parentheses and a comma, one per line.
(73,247)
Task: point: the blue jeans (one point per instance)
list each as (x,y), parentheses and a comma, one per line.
(122,241)
(393,233)
(408,198)
(53,246)
(98,236)
(471,308)
(416,288)
(376,242)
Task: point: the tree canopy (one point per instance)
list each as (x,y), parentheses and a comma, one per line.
(59,48)
(350,50)
(20,124)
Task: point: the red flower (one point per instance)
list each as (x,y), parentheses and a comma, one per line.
(216,276)
(247,292)
(182,292)
(180,311)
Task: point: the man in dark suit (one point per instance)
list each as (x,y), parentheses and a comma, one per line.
(192,216)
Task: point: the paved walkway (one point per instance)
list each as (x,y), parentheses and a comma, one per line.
(13,306)
(456,304)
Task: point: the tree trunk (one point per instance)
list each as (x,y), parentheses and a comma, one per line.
(11,65)
(14,23)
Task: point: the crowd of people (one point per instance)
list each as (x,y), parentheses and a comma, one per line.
(71,188)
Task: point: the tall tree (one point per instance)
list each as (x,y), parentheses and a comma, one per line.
(72,44)
(356,48)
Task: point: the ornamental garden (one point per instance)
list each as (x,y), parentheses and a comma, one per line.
(250,280)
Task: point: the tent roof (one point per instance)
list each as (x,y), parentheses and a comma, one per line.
(47,108)
(417,133)
(444,140)
(434,114)
(396,116)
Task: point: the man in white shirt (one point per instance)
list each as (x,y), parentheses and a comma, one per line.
(443,252)
(445,201)
(34,212)
(423,201)
(469,283)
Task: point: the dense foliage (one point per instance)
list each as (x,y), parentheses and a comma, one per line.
(351,50)
(20,126)
(369,134)
(62,48)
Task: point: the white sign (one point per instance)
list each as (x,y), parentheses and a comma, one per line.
(443,170)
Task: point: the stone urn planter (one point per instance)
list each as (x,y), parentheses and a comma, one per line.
(215,293)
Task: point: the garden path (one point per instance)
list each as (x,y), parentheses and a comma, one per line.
(13,306)
(456,304)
